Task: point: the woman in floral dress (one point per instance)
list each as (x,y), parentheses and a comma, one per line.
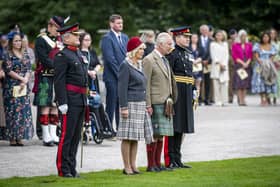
(17,108)
(264,73)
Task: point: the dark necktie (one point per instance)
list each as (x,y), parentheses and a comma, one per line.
(120,40)
(165,61)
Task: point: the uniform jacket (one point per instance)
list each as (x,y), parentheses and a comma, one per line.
(42,50)
(160,81)
(179,60)
(113,55)
(70,68)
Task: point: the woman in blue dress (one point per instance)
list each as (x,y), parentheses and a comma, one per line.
(17,108)
(264,75)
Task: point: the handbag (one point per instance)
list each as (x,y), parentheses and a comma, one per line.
(197,67)
(242,73)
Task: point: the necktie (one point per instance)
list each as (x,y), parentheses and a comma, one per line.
(205,41)
(120,40)
(165,61)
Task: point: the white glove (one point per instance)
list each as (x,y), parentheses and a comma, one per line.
(195,95)
(63,108)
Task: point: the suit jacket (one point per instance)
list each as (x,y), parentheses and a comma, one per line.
(205,52)
(113,55)
(160,80)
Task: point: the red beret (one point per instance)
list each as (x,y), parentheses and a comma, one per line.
(133,43)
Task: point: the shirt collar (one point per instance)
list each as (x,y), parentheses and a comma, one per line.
(116,34)
(160,55)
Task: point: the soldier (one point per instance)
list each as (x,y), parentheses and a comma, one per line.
(70,84)
(180,60)
(46,46)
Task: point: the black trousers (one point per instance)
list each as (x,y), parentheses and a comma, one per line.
(207,85)
(69,140)
(38,124)
(174,147)
(112,102)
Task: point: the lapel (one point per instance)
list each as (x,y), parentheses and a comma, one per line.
(115,39)
(159,62)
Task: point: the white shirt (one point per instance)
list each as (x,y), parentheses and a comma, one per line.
(118,36)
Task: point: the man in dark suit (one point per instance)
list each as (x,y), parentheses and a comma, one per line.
(204,48)
(113,46)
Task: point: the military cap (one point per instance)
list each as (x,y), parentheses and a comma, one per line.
(184,30)
(74,29)
(57,21)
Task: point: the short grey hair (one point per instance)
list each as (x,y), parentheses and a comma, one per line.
(162,38)
(65,35)
(204,26)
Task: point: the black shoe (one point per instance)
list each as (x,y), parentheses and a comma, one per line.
(20,144)
(68,175)
(181,165)
(124,172)
(173,165)
(48,144)
(162,168)
(136,172)
(153,169)
(77,175)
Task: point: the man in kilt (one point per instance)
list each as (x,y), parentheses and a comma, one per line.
(180,60)
(46,46)
(161,93)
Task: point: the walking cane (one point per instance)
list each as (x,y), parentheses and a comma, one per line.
(86,123)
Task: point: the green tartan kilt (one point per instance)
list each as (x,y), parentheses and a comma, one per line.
(162,126)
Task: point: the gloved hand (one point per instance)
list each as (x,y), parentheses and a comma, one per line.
(63,108)
(195,94)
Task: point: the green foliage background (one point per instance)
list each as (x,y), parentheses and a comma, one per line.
(254,15)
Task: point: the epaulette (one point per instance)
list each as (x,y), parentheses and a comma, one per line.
(171,50)
(41,34)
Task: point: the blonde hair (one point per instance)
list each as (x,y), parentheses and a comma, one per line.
(131,54)
(223,33)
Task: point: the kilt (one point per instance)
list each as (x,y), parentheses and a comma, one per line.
(138,124)
(162,126)
(45,94)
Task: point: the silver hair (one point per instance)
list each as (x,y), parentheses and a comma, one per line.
(240,33)
(162,38)
(204,26)
(65,35)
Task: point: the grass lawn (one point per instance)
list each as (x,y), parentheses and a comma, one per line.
(261,171)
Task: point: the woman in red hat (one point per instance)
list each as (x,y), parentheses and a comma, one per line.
(135,124)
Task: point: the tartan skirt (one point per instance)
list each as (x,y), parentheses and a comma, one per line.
(138,125)
(162,126)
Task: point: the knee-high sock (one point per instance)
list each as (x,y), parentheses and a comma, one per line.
(158,153)
(166,151)
(151,154)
